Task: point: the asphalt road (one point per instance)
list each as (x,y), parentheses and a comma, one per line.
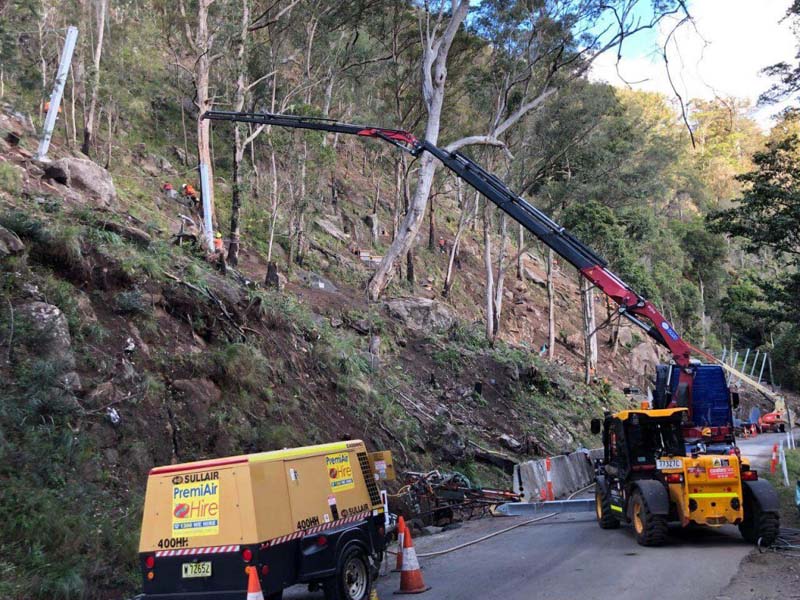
(759,449)
(568,558)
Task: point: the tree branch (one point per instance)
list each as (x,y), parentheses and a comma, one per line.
(471,140)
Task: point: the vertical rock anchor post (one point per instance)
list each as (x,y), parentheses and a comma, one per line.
(58,92)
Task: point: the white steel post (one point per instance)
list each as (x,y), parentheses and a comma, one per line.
(783,466)
(755,360)
(763,364)
(744,363)
(58,92)
(205,191)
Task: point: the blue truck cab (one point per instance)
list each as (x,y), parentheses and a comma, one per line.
(712,404)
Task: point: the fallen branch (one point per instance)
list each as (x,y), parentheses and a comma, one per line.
(324,251)
(213,298)
(394,437)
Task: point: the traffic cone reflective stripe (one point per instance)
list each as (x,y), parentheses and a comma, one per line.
(401,530)
(411,581)
(253,585)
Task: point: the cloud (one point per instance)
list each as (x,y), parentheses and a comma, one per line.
(723,56)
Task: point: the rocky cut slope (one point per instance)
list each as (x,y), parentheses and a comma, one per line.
(121,349)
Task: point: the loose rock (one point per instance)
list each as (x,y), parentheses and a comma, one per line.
(422,314)
(86,176)
(9,243)
(52,339)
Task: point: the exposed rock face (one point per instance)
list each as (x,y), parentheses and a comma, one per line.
(52,332)
(422,314)
(9,243)
(86,176)
(625,336)
(451,444)
(644,359)
(314,280)
(200,395)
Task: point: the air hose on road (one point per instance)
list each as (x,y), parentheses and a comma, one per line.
(481,539)
(573,494)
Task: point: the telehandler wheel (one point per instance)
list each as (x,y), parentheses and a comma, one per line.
(352,580)
(758,524)
(602,504)
(650,529)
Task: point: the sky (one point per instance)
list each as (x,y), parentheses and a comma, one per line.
(733,41)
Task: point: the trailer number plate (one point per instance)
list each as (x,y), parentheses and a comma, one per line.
(671,463)
(198,569)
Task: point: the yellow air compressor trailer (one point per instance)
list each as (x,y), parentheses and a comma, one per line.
(303,515)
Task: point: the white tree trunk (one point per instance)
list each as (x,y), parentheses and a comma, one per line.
(589,326)
(551,307)
(88,131)
(202,74)
(501,277)
(434,75)
(487,263)
(466,212)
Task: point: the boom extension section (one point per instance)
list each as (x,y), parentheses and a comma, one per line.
(631,305)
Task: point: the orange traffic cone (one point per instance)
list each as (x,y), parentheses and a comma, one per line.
(411,575)
(253,585)
(401,530)
(773,464)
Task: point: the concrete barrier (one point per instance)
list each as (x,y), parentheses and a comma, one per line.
(569,473)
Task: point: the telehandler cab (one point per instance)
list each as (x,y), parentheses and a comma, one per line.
(648,478)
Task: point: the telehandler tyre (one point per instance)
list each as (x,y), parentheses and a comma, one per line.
(758,524)
(650,529)
(602,503)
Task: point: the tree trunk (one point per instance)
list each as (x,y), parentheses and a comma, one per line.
(202,72)
(88,131)
(454,249)
(434,76)
(238,141)
(236,196)
(614,327)
(432,225)
(551,307)
(702,313)
(398,196)
(273,200)
(487,263)
(589,326)
(501,276)
(408,229)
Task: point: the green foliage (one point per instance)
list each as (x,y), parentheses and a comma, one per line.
(768,215)
(132,302)
(790,514)
(10,178)
(242,367)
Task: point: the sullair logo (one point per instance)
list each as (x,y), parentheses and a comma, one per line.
(195,477)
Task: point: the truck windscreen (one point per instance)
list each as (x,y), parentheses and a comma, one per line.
(651,439)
